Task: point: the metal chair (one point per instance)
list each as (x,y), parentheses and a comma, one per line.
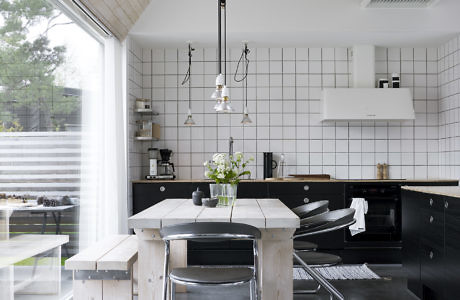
(311,209)
(322,223)
(306,211)
(198,276)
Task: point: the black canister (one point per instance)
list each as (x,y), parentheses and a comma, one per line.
(269,164)
(197,196)
(395,80)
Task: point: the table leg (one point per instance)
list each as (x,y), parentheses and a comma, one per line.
(275,264)
(57,221)
(150,258)
(5,224)
(7,283)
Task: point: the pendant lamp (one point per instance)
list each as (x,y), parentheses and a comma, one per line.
(189,121)
(222,92)
(244,57)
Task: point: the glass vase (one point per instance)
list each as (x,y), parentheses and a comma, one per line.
(225,193)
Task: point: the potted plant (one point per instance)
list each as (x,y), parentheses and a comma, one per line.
(226,171)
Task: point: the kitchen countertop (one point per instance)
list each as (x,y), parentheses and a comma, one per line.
(449,191)
(306,180)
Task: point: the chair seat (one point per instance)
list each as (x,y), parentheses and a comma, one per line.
(318,259)
(211,275)
(304,246)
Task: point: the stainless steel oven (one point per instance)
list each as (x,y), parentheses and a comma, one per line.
(383,219)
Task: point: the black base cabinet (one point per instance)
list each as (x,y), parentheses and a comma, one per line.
(431,245)
(146,194)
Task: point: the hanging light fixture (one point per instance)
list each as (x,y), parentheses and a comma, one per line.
(189,121)
(222,92)
(244,56)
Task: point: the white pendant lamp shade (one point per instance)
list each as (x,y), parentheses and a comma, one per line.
(246,119)
(220,80)
(189,121)
(223,104)
(224,107)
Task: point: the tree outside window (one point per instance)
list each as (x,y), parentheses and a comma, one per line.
(31,98)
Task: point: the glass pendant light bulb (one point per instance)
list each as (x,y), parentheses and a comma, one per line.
(246,119)
(189,121)
(225,93)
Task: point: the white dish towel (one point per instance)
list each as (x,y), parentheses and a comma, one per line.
(360,206)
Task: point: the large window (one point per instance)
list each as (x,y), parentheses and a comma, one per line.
(51,71)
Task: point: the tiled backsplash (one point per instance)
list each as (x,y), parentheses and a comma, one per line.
(449,108)
(284,92)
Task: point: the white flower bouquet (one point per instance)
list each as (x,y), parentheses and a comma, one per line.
(224,169)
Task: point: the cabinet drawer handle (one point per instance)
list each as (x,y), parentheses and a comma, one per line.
(162,189)
(431,254)
(431,219)
(306,187)
(306,200)
(446,204)
(431,202)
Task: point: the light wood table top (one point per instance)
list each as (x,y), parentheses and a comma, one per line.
(261,213)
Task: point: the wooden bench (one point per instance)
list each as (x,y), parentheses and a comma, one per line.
(44,279)
(105,269)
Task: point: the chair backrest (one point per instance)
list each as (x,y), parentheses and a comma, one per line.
(329,221)
(209,231)
(311,209)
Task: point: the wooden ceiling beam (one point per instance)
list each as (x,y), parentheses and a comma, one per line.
(119,16)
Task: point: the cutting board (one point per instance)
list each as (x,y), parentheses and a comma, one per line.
(311,176)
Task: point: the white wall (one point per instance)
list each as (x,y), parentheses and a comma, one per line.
(449,108)
(284,92)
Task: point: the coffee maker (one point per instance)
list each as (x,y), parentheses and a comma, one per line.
(164,166)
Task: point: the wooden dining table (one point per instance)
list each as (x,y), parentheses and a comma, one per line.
(274,219)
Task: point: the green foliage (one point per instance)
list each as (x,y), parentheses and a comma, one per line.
(27,67)
(13,126)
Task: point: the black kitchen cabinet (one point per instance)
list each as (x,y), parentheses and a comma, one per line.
(431,244)
(452,247)
(292,194)
(411,240)
(431,217)
(148,194)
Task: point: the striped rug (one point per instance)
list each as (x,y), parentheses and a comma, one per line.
(343,272)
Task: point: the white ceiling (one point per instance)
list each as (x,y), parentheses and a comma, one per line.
(295,23)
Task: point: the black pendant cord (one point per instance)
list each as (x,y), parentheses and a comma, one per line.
(219,37)
(246,84)
(187,77)
(225,42)
(244,55)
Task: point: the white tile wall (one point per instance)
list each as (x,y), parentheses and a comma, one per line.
(284,92)
(134,88)
(449,108)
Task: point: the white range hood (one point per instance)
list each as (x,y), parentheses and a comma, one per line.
(363,102)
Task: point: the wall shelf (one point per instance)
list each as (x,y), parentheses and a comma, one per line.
(146,111)
(145,138)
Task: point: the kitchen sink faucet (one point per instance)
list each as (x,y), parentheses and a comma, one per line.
(230,146)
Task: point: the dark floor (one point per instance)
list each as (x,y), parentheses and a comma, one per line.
(392,286)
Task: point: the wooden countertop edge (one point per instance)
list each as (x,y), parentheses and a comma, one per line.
(448,191)
(304,180)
